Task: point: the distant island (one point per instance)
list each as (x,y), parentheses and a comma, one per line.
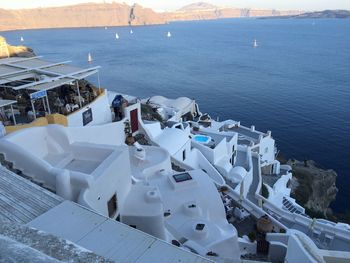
(120,14)
(343,14)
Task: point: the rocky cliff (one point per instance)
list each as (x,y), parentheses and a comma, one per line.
(118,14)
(205,11)
(313,187)
(82,15)
(7,50)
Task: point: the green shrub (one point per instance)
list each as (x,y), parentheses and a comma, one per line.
(264,191)
(252,236)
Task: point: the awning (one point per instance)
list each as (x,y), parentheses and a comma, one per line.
(47,75)
(4,103)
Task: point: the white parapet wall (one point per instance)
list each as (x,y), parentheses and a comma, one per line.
(95,175)
(97,112)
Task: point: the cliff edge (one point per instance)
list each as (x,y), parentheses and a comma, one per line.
(119,14)
(81,15)
(313,187)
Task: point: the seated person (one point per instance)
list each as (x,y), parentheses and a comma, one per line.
(68,108)
(30,116)
(58,102)
(76,99)
(74,107)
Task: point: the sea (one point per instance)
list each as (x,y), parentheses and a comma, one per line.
(296,83)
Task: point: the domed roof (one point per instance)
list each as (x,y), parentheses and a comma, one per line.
(239,170)
(157,99)
(179,103)
(237,174)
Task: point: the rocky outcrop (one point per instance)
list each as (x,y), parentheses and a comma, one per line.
(313,187)
(139,15)
(7,50)
(82,15)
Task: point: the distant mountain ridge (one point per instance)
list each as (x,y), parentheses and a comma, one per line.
(341,14)
(81,15)
(325,14)
(198,6)
(206,11)
(119,14)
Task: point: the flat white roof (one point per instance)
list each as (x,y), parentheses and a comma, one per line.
(109,238)
(4,103)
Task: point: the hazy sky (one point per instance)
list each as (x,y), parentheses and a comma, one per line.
(172,5)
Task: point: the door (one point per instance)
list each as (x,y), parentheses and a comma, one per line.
(134,121)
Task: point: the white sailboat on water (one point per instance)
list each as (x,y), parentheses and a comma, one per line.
(169,34)
(131,32)
(255,44)
(116,36)
(89,58)
(22,39)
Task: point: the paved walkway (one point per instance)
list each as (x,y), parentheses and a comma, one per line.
(255,183)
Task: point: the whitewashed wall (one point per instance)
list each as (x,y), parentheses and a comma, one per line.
(101,113)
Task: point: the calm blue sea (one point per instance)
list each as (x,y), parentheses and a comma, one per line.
(296,83)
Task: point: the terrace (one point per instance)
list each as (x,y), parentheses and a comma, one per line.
(31,88)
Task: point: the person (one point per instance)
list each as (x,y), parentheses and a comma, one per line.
(74,107)
(30,116)
(2,130)
(59,103)
(68,108)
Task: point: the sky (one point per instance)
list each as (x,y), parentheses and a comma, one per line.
(169,5)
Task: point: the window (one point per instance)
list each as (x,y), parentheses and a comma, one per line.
(200,227)
(112,206)
(184,155)
(182,177)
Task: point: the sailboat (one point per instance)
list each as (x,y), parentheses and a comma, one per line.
(131,32)
(169,34)
(106,28)
(22,39)
(116,36)
(255,43)
(89,58)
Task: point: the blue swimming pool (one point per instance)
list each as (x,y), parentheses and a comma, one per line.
(202,138)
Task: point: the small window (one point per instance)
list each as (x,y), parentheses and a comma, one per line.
(175,243)
(184,155)
(200,227)
(266,150)
(233,149)
(112,206)
(182,177)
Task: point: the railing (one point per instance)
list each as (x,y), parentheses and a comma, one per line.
(42,121)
